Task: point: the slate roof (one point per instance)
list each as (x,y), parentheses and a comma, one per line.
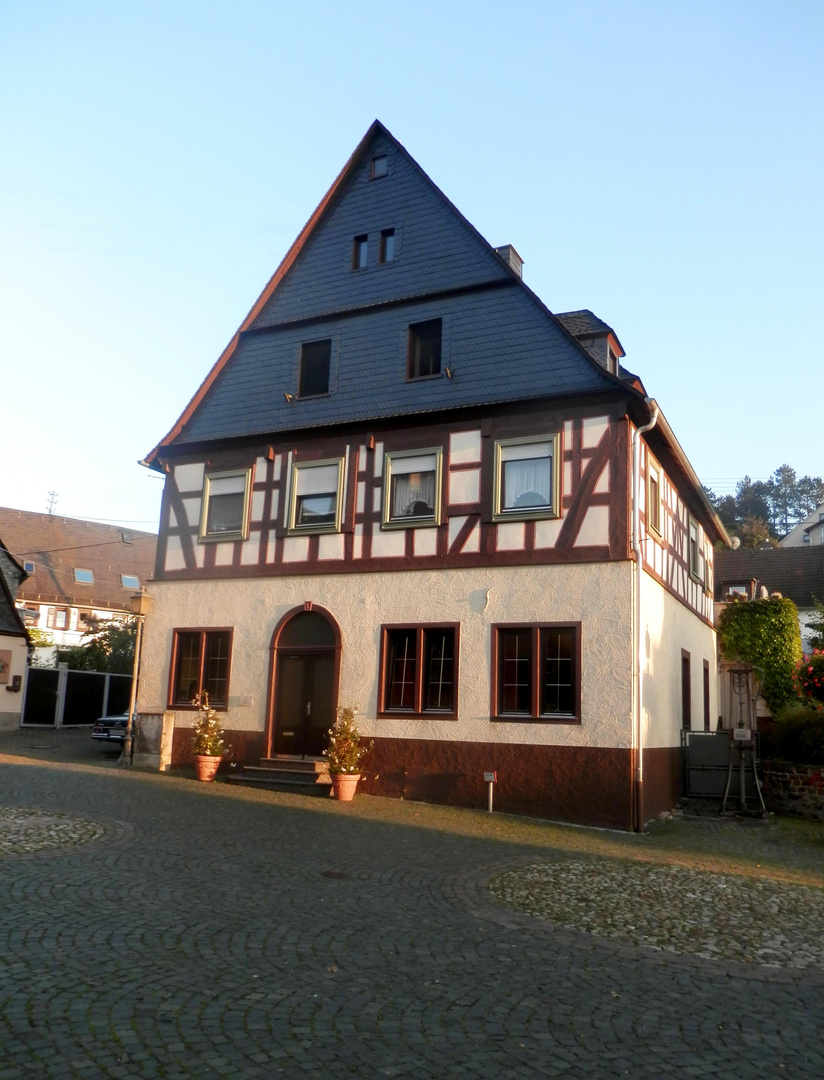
(797,573)
(11,575)
(500,340)
(584,323)
(56,545)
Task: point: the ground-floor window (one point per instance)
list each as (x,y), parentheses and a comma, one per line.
(200,661)
(536,672)
(419,670)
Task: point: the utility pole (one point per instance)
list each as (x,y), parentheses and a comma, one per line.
(52,501)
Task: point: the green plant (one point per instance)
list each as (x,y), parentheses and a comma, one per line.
(764,633)
(797,735)
(108,646)
(815,623)
(346,749)
(207,734)
(809,678)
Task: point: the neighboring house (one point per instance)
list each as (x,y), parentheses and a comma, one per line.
(796,573)
(407,485)
(808,532)
(14,642)
(76,571)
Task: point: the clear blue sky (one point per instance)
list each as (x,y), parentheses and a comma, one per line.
(659,162)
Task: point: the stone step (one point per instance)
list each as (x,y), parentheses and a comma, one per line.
(276,780)
(293,764)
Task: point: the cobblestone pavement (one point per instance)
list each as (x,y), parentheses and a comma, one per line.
(209,931)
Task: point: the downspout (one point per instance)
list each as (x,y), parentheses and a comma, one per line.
(638,662)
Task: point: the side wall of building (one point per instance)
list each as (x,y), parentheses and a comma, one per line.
(13,654)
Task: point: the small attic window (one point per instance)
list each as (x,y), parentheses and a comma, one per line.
(29,567)
(387,251)
(612,362)
(130,581)
(85,577)
(126,537)
(379,166)
(360,252)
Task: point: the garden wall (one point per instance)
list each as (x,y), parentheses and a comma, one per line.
(794,789)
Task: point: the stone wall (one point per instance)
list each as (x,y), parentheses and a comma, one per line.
(794,789)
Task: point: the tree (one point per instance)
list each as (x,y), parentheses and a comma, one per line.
(764,633)
(783,499)
(754,532)
(781,502)
(110,647)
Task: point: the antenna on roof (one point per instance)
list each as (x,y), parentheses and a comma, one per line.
(52,501)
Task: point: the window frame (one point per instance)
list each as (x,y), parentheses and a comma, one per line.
(410,329)
(418,713)
(361,241)
(535,716)
(525,513)
(203,631)
(293,528)
(205,537)
(374,174)
(83,580)
(303,346)
(387,521)
(389,234)
(28,563)
(697,565)
(131,577)
(654,526)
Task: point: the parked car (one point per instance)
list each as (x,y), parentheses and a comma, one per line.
(111,728)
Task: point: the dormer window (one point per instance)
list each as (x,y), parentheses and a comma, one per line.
(360,251)
(423,358)
(380,166)
(612,362)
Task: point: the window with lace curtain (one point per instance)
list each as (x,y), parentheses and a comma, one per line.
(526,477)
(412,492)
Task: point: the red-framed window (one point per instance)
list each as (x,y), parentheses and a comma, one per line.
(419,671)
(201,660)
(536,672)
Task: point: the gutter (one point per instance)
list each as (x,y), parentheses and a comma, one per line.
(638,661)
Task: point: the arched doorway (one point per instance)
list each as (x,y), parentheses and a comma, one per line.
(305,677)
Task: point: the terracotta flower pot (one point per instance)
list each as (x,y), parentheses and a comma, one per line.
(343,786)
(207,766)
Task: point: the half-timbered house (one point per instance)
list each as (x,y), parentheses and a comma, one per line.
(407,485)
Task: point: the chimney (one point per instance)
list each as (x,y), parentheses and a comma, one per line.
(512,259)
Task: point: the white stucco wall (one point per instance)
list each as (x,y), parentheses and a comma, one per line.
(12,703)
(597,595)
(667,628)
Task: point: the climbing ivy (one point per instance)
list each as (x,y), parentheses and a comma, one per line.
(764,633)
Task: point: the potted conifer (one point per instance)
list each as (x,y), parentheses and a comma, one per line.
(208,746)
(344,754)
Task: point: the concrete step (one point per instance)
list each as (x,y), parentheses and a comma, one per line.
(293,764)
(281,781)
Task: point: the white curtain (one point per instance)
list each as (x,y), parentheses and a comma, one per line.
(413,486)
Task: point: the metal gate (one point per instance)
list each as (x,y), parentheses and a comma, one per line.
(706,761)
(63,698)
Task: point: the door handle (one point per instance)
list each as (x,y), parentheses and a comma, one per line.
(308,708)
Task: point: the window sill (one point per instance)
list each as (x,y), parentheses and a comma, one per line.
(522,718)
(196,708)
(411,523)
(423,378)
(313,530)
(524,515)
(218,537)
(402,714)
(313,397)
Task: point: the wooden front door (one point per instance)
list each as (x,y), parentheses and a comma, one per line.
(304,711)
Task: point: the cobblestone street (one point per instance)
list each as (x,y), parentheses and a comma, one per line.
(183,930)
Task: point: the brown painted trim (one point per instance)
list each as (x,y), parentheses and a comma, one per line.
(535,672)
(465,466)
(203,631)
(686,691)
(418,712)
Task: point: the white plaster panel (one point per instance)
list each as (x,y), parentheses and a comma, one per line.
(455,526)
(174,554)
(378,459)
(546,532)
(568,477)
(388,544)
(426,541)
(189,477)
(270,549)
(473,541)
(594,428)
(275,504)
(296,549)
(510,536)
(596,594)
(361,497)
(594,529)
(464,446)
(568,432)
(602,483)
(224,554)
(465,486)
(191,508)
(250,550)
(377,494)
(258,498)
(200,556)
(357,542)
(260,467)
(278,466)
(331,546)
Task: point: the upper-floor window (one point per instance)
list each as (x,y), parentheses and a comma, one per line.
(200,661)
(526,477)
(57,618)
(419,670)
(130,581)
(225,505)
(412,491)
(315,360)
(696,554)
(387,249)
(537,672)
(805,538)
(360,252)
(653,496)
(423,357)
(317,496)
(380,166)
(85,577)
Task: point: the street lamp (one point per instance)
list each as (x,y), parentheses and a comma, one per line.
(141,602)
